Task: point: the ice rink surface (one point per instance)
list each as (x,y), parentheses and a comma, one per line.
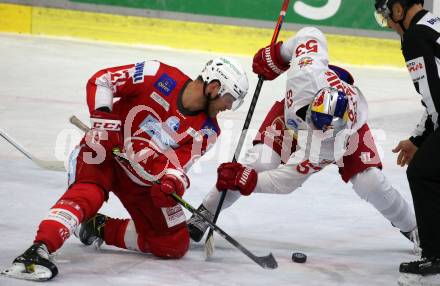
(347,241)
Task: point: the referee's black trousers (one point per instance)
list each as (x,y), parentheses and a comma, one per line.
(424,180)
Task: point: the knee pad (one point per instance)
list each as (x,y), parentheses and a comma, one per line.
(89,197)
(172,246)
(78,203)
(372,186)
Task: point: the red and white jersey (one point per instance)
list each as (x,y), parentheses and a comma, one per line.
(314,150)
(308,73)
(157,128)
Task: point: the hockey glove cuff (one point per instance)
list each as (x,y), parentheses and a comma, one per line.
(172,181)
(235,176)
(268,62)
(105,130)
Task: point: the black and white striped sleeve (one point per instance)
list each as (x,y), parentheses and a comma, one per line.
(421,49)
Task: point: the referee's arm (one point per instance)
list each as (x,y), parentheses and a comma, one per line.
(419,49)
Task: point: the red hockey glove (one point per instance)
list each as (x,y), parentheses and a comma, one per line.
(105,130)
(268,62)
(235,176)
(174,181)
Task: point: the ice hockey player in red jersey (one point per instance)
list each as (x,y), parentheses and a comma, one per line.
(162,121)
(321,121)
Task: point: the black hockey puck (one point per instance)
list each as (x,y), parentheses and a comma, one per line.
(299,257)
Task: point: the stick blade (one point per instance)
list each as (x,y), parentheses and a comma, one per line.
(51,165)
(267,262)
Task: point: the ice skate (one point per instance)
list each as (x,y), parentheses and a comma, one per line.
(33,264)
(424,272)
(91,232)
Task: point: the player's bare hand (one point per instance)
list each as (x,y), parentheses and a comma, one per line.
(406,150)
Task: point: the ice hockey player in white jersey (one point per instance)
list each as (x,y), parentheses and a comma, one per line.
(321,121)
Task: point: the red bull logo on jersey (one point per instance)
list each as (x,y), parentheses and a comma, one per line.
(165,84)
(305,62)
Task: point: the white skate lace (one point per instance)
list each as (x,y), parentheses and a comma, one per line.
(43,252)
(414,235)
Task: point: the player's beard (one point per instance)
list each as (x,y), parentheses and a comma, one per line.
(208,104)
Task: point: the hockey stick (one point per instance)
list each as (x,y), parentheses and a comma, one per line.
(78,123)
(44,164)
(209,242)
(267,261)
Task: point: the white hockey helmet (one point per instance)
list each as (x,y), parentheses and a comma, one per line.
(231,76)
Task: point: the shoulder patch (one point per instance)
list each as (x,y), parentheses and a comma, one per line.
(165,84)
(430,20)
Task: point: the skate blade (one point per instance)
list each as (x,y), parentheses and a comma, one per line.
(32,273)
(419,280)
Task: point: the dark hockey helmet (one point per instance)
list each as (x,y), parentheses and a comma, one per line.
(383,9)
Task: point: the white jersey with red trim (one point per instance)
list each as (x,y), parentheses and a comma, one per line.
(308,73)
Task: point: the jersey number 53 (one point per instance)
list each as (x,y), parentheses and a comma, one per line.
(310,46)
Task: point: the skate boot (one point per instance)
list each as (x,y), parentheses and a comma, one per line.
(197,226)
(33,265)
(91,232)
(422,272)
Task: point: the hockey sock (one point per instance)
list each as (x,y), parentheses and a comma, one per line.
(115,231)
(79,202)
(59,224)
